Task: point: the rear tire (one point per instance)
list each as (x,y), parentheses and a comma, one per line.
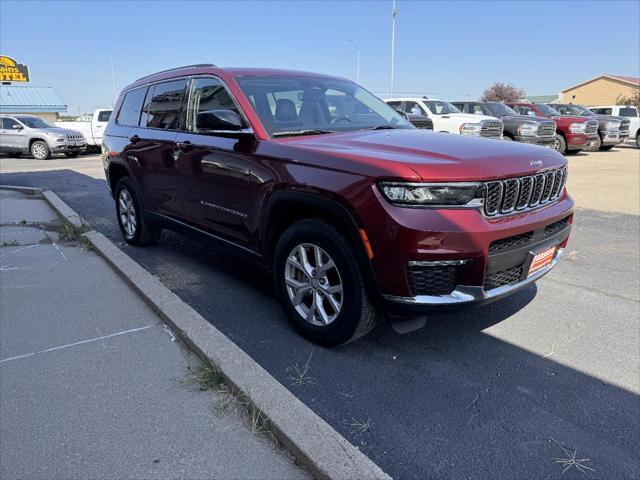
(40,150)
(561,144)
(327,304)
(606,147)
(135,229)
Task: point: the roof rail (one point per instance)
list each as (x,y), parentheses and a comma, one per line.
(197,65)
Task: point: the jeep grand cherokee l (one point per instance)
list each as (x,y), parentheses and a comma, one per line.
(355,213)
(521,128)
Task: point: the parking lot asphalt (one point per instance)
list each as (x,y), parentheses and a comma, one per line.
(511,390)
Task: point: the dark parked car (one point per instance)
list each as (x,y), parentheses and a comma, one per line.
(355,212)
(521,128)
(612,130)
(573,133)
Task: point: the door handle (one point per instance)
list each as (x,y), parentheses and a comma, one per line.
(134,139)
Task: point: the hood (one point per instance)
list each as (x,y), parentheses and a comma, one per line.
(66,132)
(467,117)
(414,154)
(570,118)
(524,119)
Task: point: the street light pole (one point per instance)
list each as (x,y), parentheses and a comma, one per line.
(113,73)
(394,12)
(357,60)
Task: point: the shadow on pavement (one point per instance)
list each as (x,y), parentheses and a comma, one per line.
(451,400)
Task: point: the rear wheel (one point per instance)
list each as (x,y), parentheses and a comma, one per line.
(560,144)
(135,229)
(40,150)
(319,284)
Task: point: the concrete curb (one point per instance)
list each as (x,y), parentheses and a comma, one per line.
(314,443)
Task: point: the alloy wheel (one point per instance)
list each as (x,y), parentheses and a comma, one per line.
(127,213)
(314,284)
(39,151)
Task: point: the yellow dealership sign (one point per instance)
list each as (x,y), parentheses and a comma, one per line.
(12,71)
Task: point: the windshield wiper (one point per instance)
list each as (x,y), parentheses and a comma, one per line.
(301,132)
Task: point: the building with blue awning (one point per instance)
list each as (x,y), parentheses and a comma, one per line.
(44,102)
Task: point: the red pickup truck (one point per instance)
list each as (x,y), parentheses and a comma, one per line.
(572,133)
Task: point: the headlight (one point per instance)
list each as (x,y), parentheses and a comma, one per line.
(612,126)
(470,129)
(578,127)
(433,194)
(528,130)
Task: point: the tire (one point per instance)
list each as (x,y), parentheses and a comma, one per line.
(607,147)
(598,145)
(355,316)
(561,144)
(638,140)
(72,154)
(135,229)
(40,150)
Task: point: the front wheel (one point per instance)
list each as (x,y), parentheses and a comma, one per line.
(40,150)
(560,144)
(135,229)
(319,284)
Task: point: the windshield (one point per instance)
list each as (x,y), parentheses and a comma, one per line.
(313,105)
(35,122)
(547,110)
(500,109)
(440,107)
(580,110)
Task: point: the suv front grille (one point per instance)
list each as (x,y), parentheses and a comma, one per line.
(547,129)
(624,126)
(592,127)
(74,136)
(491,129)
(503,277)
(422,124)
(510,242)
(521,193)
(432,280)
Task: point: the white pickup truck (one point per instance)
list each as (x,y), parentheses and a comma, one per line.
(92,129)
(627,111)
(448,119)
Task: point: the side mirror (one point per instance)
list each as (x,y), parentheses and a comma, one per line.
(219,120)
(17,127)
(403,113)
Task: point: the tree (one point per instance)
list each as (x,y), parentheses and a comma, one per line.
(634,99)
(502,92)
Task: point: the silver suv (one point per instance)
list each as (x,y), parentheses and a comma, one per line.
(30,134)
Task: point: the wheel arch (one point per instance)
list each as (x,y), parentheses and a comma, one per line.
(284,208)
(116,171)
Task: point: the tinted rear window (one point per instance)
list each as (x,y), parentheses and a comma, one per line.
(131,107)
(104,115)
(162,109)
(628,112)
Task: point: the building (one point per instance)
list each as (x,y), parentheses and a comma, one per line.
(601,90)
(45,102)
(17,95)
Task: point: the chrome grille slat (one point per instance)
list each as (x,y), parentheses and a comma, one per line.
(521,193)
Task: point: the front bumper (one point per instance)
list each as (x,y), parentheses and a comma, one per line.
(68,146)
(578,141)
(404,237)
(542,141)
(613,138)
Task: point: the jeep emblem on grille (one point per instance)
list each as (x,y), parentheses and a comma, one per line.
(536,163)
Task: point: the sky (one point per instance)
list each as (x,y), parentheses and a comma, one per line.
(447,49)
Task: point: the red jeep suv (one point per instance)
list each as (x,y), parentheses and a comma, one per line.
(355,211)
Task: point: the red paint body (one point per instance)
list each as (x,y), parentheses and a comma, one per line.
(341,169)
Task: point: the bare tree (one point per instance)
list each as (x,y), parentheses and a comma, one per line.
(634,99)
(502,92)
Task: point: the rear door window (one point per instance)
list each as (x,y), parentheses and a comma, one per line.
(628,112)
(129,114)
(104,115)
(163,105)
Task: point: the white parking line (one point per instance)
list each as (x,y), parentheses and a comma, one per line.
(124,332)
(19,250)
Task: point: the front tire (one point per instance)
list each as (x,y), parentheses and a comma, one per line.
(319,284)
(560,145)
(40,150)
(638,140)
(135,229)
